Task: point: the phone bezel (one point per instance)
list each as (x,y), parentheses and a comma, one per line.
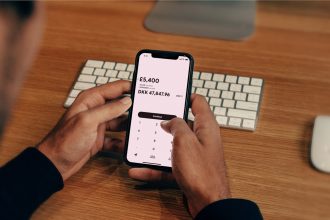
(161,54)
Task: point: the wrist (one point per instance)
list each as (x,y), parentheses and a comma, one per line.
(198,201)
(60,165)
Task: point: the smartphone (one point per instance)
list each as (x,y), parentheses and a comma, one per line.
(161,90)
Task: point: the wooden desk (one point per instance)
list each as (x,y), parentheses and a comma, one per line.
(290,50)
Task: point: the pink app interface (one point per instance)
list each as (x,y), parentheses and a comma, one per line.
(160,94)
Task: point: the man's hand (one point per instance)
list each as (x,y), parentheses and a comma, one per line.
(197,159)
(80,134)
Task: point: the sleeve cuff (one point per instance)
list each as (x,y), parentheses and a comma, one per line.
(232,209)
(27,181)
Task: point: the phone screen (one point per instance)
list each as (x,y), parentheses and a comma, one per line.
(160,94)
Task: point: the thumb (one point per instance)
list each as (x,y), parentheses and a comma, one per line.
(176,127)
(110,111)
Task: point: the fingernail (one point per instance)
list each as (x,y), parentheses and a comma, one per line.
(164,123)
(126,100)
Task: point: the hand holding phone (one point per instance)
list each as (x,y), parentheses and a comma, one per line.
(81,131)
(198,159)
(160,92)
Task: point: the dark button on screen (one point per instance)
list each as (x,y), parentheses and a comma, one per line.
(158,116)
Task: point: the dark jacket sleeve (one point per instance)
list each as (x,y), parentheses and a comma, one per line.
(26,182)
(230,209)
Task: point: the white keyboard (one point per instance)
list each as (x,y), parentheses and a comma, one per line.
(235,100)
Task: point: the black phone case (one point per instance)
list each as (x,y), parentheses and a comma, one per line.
(162,54)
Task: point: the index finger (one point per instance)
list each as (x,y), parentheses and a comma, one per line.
(205,122)
(99,95)
(200,108)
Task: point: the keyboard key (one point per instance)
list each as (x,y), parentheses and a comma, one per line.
(233,99)
(222,120)
(215,102)
(248,124)
(83,85)
(214,93)
(252,89)
(86,78)
(198,83)
(109,65)
(235,87)
(196,75)
(111,73)
(206,76)
(228,103)
(220,111)
(99,72)
(218,77)
(253,98)
(87,70)
(256,82)
(113,79)
(247,105)
(242,113)
(94,63)
(235,122)
(121,66)
(123,74)
(231,79)
(210,84)
(244,80)
(102,80)
(74,93)
(223,86)
(227,95)
(131,67)
(240,96)
(69,102)
(201,91)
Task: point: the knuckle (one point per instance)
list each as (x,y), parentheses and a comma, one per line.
(177,121)
(83,119)
(118,109)
(82,95)
(181,139)
(177,124)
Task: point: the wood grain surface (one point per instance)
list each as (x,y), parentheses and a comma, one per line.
(290,50)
